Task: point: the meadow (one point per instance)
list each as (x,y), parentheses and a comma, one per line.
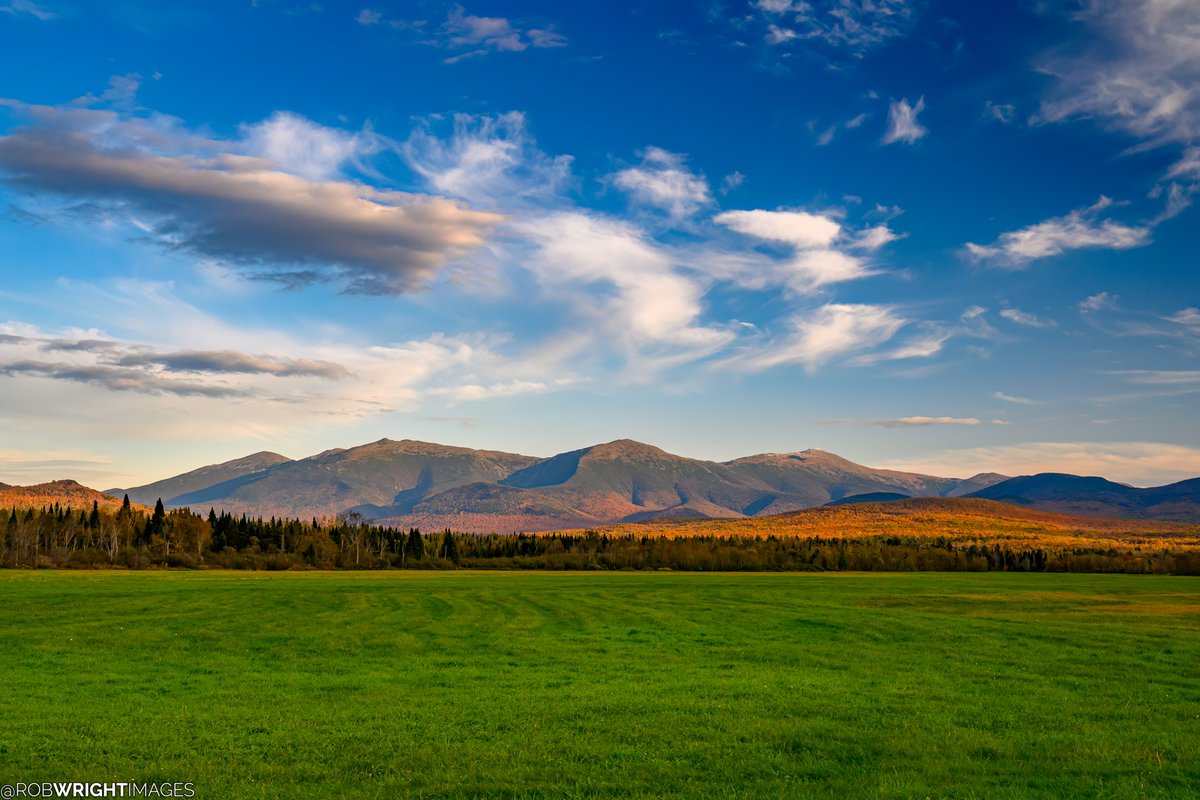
(629,684)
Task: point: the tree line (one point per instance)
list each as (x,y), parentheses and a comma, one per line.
(60,536)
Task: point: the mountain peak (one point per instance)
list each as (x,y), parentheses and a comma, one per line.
(626,448)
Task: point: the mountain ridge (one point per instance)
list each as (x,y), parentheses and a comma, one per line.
(416,483)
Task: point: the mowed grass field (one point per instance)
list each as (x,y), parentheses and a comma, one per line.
(458,684)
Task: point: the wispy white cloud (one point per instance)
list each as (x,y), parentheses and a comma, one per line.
(489,161)
(664,181)
(27,8)
(649,302)
(482,35)
(1097,302)
(1082,228)
(1161,377)
(851,25)
(732,181)
(910,422)
(926,344)
(1020,317)
(818,336)
(1138,75)
(999,112)
(822,250)
(902,122)
(302,147)
(1012,398)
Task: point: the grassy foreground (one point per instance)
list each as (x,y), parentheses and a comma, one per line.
(299,685)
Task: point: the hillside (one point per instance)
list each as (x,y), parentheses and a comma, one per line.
(1072,494)
(384,479)
(622,478)
(815,477)
(412,483)
(65,493)
(171,488)
(869,497)
(959,518)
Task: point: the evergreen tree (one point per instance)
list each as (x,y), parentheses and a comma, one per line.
(159,519)
(94,518)
(416,547)
(449,548)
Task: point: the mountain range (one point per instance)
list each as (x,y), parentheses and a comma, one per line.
(411,483)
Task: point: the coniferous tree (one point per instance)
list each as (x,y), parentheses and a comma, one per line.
(416,547)
(94,518)
(449,548)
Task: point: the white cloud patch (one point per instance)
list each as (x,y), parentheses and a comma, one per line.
(926,344)
(821,248)
(1097,302)
(910,422)
(1015,315)
(478,36)
(1077,230)
(798,228)
(1161,377)
(302,147)
(27,8)
(1015,399)
(1003,113)
(648,302)
(854,26)
(830,331)
(490,161)
(1139,75)
(664,181)
(902,125)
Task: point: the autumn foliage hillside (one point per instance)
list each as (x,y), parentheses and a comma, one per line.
(66,493)
(967,520)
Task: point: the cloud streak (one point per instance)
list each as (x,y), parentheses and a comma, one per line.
(910,422)
(1080,229)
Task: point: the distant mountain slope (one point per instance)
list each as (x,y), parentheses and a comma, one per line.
(431,485)
(1072,494)
(959,518)
(64,492)
(870,497)
(202,478)
(815,477)
(383,479)
(622,478)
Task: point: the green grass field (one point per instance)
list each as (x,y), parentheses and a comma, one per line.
(299,685)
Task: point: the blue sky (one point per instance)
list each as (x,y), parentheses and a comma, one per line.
(941,236)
